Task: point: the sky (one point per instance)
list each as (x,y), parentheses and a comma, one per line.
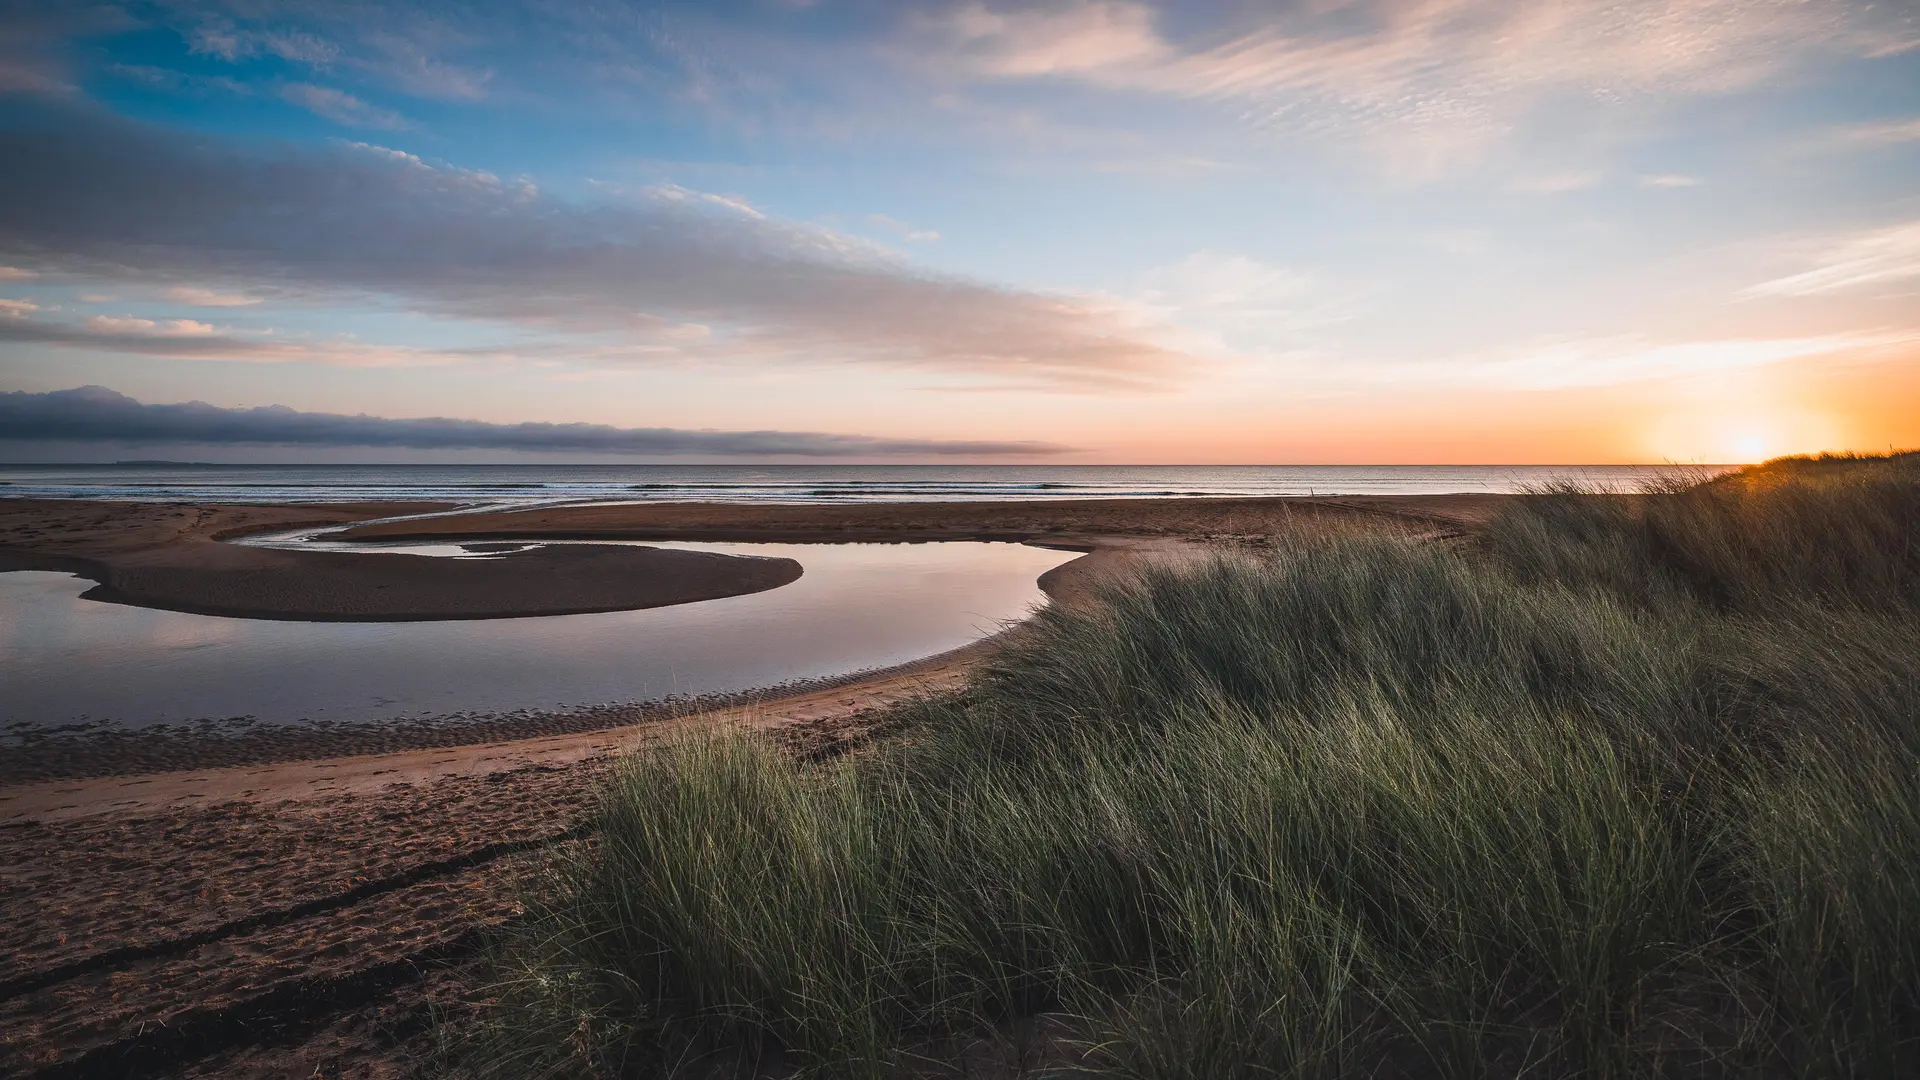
(1085,231)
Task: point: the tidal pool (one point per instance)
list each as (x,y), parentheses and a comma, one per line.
(64,660)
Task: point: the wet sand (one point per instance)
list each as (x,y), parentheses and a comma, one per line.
(1065,522)
(308,917)
(172,557)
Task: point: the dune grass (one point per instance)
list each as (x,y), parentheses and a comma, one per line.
(1629,787)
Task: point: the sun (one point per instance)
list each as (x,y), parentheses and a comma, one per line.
(1742,433)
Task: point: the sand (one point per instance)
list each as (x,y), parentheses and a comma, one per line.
(1065,522)
(306,918)
(310,915)
(171,557)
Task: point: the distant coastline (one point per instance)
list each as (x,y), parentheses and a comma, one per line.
(526,485)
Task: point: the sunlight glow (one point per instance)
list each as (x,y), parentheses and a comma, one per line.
(1743,434)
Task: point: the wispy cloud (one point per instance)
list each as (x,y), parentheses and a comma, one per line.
(1881,133)
(120,202)
(903,230)
(1089,38)
(370,47)
(190,339)
(674,193)
(1669,180)
(1434,78)
(1240,304)
(200,297)
(227,42)
(1875,257)
(1571,363)
(1611,361)
(1555,183)
(181,82)
(117,325)
(341,107)
(97,414)
(413,70)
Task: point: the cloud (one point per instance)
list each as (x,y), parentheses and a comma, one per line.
(199,297)
(1568,363)
(1882,133)
(1431,78)
(35,57)
(903,230)
(1216,280)
(188,339)
(1614,360)
(413,70)
(230,44)
(14,273)
(390,57)
(1876,257)
(341,107)
(91,197)
(180,82)
(1240,303)
(116,325)
(1556,183)
(97,414)
(218,41)
(1669,180)
(674,193)
(1080,39)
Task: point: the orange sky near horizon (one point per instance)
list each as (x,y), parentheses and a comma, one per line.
(1720,419)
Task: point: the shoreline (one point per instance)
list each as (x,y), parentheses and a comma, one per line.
(301,914)
(68,761)
(183,546)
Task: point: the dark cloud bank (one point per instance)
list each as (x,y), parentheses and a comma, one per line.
(97,414)
(98,198)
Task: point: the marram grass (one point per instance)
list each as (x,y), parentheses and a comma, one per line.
(1631,788)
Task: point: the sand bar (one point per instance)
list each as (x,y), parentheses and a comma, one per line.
(173,557)
(1065,521)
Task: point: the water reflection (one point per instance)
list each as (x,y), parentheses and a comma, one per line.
(63,659)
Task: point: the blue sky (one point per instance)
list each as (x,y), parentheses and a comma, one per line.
(1389,230)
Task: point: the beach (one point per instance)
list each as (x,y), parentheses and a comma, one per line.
(305,900)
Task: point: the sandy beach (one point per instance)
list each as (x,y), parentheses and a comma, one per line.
(305,911)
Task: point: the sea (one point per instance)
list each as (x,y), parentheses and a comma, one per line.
(540,484)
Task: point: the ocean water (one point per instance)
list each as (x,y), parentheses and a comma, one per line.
(523,485)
